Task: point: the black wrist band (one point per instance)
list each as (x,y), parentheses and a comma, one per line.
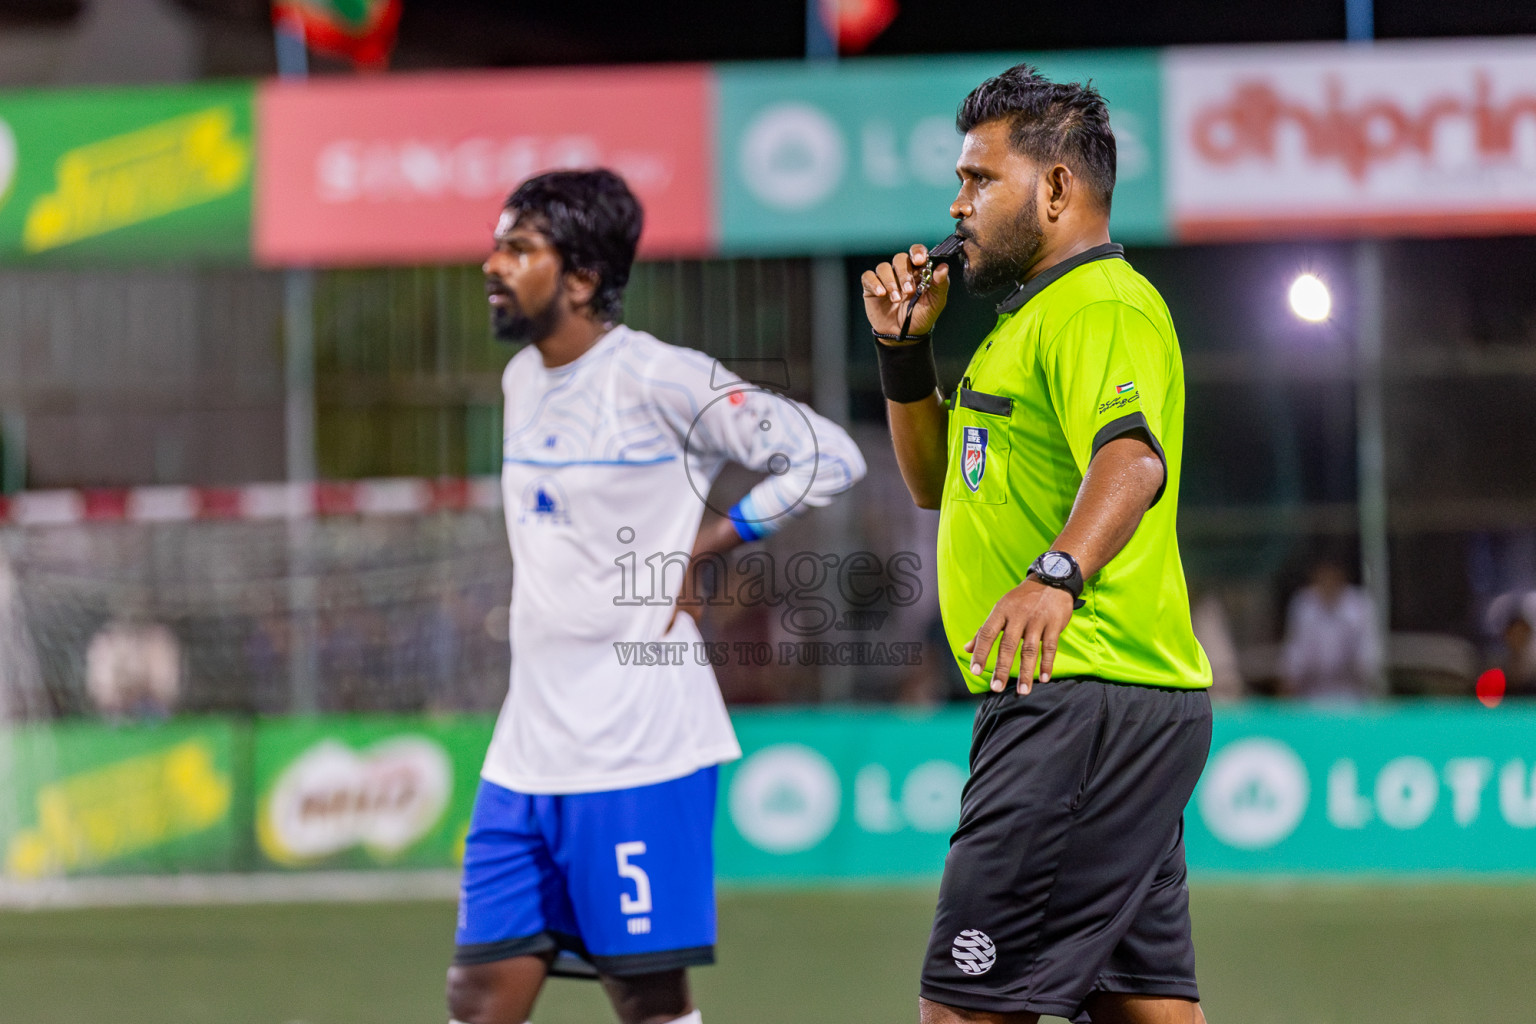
(907,372)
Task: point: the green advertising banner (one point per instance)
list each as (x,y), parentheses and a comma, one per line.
(86,798)
(841,795)
(135,175)
(860,155)
(374,791)
(1416,789)
(1393,790)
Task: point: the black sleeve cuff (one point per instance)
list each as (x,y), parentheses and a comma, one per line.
(908,372)
(1130,424)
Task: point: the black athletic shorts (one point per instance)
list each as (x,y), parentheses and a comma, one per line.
(1066,875)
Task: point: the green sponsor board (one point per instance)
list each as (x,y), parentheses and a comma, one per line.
(1416,789)
(375,791)
(127,174)
(860,155)
(87,798)
(1403,789)
(820,796)
(841,795)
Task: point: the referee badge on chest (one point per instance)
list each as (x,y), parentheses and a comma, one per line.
(973,456)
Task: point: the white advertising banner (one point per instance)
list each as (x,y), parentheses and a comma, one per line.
(1430,138)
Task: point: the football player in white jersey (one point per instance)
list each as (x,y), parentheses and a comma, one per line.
(590,845)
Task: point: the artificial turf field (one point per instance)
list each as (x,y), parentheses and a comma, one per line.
(1314,954)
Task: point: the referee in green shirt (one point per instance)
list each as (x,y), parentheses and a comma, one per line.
(1055,469)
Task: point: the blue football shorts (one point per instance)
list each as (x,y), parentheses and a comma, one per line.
(620,882)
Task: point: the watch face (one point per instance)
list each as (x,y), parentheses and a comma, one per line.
(1056,566)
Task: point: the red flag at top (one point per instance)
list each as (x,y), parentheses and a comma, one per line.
(857,23)
(362,31)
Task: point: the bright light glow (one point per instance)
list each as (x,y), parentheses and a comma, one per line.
(1310,299)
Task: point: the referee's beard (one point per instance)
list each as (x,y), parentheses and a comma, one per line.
(1004,263)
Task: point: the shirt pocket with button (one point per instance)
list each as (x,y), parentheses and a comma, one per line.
(979,445)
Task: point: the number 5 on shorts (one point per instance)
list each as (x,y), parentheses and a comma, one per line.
(641,902)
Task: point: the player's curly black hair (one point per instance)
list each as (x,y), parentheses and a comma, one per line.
(1050,122)
(593,220)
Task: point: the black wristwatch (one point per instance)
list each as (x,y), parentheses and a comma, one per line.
(1060,570)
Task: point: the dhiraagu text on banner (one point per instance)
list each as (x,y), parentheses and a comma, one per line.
(85,798)
(137,175)
(860,154)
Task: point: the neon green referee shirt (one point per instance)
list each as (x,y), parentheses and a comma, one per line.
(1083,353)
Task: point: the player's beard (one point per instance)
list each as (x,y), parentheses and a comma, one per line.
(1007,263)
(511,324)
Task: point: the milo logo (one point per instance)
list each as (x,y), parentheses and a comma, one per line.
(332,798)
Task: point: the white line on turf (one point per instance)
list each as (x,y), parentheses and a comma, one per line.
(193,890)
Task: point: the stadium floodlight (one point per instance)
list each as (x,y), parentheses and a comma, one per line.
(1310,298)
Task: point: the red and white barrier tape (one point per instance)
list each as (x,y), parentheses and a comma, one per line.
(397,496)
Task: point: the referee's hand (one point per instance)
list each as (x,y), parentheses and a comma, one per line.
(1025,625)
(888,291)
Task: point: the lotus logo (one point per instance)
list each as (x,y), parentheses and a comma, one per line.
(792,156)
(7,160)
(785,798)
(1254,793)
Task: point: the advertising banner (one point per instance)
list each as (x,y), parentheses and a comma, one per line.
(87,798)
(413,168)
(842,795)
(819,796)
(860,155)
(1396,138)
(1417,789)
(140,174)
(1420,789)
(375,791)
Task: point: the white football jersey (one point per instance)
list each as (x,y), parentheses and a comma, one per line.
(607,463)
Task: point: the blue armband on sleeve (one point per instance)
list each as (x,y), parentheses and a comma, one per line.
(748,527)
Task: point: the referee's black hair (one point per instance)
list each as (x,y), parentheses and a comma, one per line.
(593,220)
(1050,122)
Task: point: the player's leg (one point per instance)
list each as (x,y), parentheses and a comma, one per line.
(513,910)
(639,865)
(656,998)
(501,992)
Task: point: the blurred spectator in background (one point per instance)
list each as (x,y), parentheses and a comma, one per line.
(1513,618)
(1330,651)
(133,669)
(1208,616)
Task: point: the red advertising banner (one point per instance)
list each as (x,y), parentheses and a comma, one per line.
(1396,138)
(413,168)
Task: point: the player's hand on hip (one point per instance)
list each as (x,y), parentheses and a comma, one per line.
(1024,626)
(693,609)
(889,288)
